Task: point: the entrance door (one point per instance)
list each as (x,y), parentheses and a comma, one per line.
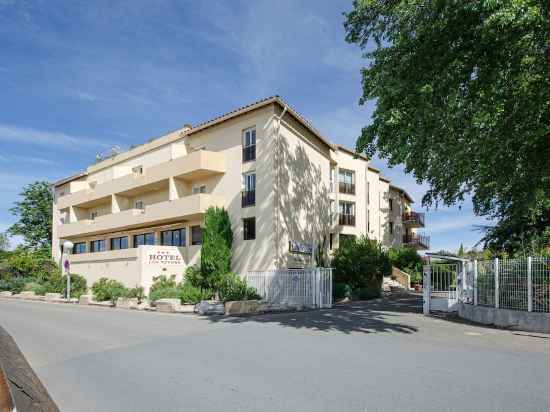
(440,287)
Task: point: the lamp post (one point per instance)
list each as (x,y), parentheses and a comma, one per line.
(67,248)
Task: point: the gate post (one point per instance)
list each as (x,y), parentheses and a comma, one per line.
(529,284)
(426,288)
(496,284)
(475,282)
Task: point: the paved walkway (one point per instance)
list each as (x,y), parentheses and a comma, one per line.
(360,357)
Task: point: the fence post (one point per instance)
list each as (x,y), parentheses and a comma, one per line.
(496,284)
(529,285)
(426,287)
(475,282)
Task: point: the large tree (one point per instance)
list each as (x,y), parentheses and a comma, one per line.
(34,213)
(462,91)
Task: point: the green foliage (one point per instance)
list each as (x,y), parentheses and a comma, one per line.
(16,284)
(163,288)
(135,293)
(4,242)
(233,288)
(366,293)
(216,247)
(462,91)
(192,295)
(408,260)
(361,263)
(34,213)
(108,289)
(341,291)
(23,262)
(194,276)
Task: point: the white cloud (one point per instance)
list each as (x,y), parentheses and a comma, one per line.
(85,96)
(27,159)
(10,133)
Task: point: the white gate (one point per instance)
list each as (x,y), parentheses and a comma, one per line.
(442,285)
(308,287)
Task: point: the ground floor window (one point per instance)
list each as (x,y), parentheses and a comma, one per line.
(119,243)
(330,240)
(249,228)
(176,237)
(144,239)
(97,246)
(196,235)
(79,248)
(391,228)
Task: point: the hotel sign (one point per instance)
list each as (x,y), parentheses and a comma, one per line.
(300,248)
(165,257)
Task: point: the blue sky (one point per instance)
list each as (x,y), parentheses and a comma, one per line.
(77,77)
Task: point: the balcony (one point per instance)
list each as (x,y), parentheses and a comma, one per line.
(413,219)
(196,165)
(416,241)
(346,220)
(186,208)
(346,188)
(248,198)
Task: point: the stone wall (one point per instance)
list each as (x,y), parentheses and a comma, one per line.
(506,318)
(404,279)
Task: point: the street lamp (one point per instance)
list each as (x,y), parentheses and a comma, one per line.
(67,248)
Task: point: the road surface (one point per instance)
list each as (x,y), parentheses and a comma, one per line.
(364,357)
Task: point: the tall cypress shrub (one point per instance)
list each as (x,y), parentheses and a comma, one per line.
(217,239)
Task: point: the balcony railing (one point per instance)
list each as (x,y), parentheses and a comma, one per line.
(348,188)
(416,240)
(346,220)
(248,198)
(249,153)
(413,219)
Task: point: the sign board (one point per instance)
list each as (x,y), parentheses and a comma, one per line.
(300,247)
(160,260)
(164,257)
(66,264)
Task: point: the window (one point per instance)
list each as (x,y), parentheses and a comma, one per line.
(249,145)
(196,235)
(97,246)
(93,215)
(199,189)
(368,193)
(391,228)
(176,237)
(138,170)
(332,209)
(119,243)
(138,204)
(249,192)
(391,204)
(347,214)
(330,241)
(249,228)
(79,248)
(346,181)
(331,179)
(144,239)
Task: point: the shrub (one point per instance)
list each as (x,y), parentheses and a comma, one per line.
(361,263)
(108,289)
(367,293)
(31,286)
(194,276)
(164,293)
(163,282)
(192,295)
(16,284)
(341,291)
(232,287)
(408,260)
(135,293)
(216,247)
(58,284)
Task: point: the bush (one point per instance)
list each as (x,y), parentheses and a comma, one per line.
(16,284)
(164,293)
(31,286)
(194,276)
(192,295)
(135,293)
(232,287)
(408,260)
(367,293)
(217,239)
(341,291)
(108,289)
(361,263)
(163,282)
(58,284)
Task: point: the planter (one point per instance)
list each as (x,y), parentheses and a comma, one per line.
(242,307)
(85,299)
(167,305)
(207,307)
(127,303)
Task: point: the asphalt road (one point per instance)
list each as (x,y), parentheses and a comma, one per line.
(365,357)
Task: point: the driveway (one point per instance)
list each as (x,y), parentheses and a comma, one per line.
(361,357)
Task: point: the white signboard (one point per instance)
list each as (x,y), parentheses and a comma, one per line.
(160,261)
(300,247)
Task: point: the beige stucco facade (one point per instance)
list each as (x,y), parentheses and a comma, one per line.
(169,183)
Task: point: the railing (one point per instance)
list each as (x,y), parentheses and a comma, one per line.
(346,220)
(347,188)
(308,287)
(249,153)
(414,218)
(248,198)
(414,239)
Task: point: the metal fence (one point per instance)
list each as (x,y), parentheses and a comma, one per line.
(518,284)
(308,287)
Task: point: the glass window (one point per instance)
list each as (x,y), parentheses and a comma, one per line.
(249,228)
(199,189)
(175,237)
(97,245)
(249,145)
(391,204)
(93,215)
(391,228)
(144,239)
(119,243)
(138,204)
(249,192)
(79,248)
(196,235)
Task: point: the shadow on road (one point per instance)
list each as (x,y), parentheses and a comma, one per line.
(385,315)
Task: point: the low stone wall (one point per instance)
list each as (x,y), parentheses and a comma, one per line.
(403,278)
(506,318)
